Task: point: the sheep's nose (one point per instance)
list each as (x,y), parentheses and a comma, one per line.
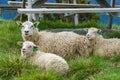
(23,49)
(26,31)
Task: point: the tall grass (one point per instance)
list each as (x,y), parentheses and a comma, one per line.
(9,35)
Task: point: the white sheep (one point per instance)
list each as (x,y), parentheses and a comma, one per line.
(65,44)
(102,46)
(47,61)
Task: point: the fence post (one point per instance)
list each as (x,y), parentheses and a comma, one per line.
(110,16)
(76,15)
(23,6)
(29,6)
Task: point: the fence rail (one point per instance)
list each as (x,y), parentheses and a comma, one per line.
(9,7)
(60,5)
(70,10)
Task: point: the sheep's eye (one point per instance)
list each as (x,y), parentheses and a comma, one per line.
(32,26)
(22,26)
(29,46)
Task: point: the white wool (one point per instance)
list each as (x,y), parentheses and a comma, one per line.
(66,44)
(47,61)
(101,46)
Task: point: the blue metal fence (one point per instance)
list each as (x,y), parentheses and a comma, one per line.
(103,17)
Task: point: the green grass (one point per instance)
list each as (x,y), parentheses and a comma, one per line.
(116,27)
(59,24)
(112,35)
(12,67)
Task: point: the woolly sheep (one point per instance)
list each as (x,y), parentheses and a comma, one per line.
(47,61)
(65,44)
(102,46)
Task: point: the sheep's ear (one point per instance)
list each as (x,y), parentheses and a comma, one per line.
(86,30)
(36,23)
(20,43)
(99,30)
(19,23)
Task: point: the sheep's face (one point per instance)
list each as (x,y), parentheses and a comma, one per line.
(27,48)
(27,28)
(92,33)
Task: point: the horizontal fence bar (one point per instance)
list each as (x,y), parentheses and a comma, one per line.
(9,6)
(70,10)
(60,5)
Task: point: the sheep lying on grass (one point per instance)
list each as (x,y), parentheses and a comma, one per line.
(46,61)
(62,43)
(102,46)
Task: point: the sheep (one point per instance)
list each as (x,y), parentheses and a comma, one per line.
(47,61)
(101,46)
(65,44)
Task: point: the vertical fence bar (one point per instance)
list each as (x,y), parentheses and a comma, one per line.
(23,6)
(110,16)
(76,15)
(29,6)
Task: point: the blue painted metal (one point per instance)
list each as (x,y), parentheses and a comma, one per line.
(105,4)
(5,14)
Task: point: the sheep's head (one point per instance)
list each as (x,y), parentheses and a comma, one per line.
(92,33)
(28,48)
(27,27)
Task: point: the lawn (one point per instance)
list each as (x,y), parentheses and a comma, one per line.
(12,67)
